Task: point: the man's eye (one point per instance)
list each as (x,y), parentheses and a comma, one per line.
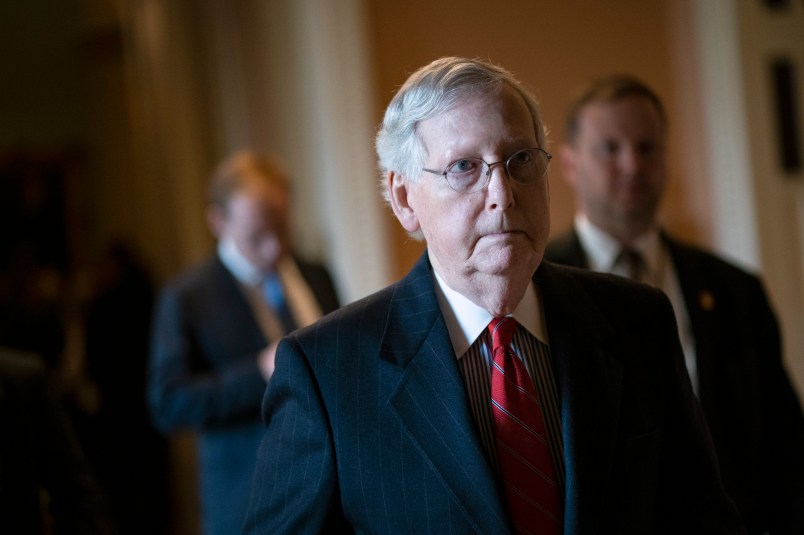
(647,148)
(463,166)
(520,158)
(609,147)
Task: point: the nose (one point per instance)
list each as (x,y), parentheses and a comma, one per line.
(632,160)
(499,191)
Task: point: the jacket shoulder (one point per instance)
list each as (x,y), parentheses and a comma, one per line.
(565,249)
(616,299)
(686,254)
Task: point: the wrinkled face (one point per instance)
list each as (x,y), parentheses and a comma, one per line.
(616,164)
(499,231)
(256,220)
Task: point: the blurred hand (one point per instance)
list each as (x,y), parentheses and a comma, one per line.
(265,360)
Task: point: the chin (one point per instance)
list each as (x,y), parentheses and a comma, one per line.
(509,261)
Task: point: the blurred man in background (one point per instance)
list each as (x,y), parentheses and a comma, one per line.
(217,325)
(614,158)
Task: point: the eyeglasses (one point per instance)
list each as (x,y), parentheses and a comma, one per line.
(469,175)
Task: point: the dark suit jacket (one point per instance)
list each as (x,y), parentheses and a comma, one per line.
(369,429)
(753,413)
(204,377)
(45,483)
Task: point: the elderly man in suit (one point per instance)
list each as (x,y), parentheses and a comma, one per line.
(614,158)
(487,391)
(216,328)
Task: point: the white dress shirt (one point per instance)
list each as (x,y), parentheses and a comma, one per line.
(467,324)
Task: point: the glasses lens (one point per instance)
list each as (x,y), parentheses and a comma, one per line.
(527,166)
(466,175)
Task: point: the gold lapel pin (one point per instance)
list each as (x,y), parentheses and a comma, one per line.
(706,300)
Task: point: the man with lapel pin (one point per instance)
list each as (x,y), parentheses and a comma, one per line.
(487,391)
(614,158)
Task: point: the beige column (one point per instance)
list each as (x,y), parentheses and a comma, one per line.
(292,76)
(757,208)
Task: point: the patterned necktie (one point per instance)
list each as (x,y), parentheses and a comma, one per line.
(634,264)
(527,469)
(275,295)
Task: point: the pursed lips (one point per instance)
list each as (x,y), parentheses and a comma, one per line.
(501,234)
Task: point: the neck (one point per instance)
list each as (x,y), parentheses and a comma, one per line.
(498,295)
(625,232)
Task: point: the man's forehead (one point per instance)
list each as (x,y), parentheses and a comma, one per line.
(458,129)
(622,108)
(621,116)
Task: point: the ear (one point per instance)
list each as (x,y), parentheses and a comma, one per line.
(399,197)
(566,159)
(216,219)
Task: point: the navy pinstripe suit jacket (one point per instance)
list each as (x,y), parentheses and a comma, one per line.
(369,430)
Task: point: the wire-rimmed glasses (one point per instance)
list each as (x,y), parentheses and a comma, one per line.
(468,175)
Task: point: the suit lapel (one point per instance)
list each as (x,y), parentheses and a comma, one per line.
(430,399)
(703,311)
(589,382)
(224,290)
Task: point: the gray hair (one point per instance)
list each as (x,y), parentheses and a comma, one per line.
(428,92)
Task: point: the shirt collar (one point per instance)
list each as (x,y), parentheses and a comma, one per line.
(602,249)
(237,264)
(466,321)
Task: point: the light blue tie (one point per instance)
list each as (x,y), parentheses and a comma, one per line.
(275,296)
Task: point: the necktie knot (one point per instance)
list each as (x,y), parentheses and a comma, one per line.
(502,331)
(633,262)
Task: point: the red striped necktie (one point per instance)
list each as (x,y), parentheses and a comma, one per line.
(527,469)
